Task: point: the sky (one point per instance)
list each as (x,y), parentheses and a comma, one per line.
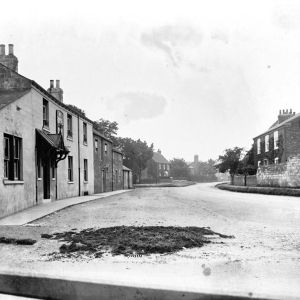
(192,77)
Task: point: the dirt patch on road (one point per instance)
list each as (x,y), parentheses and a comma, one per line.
(130,240)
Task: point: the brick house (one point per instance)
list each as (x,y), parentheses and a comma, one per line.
(103,170)
(46,147)
(280,142)
(117,169)
(158,169)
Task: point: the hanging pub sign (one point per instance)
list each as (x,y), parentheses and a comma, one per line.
(59,122)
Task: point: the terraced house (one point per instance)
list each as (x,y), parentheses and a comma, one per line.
(280,142)
(46,147)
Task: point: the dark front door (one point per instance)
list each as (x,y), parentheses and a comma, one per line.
(46,180)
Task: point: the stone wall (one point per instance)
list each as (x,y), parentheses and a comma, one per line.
(280,175)
(240,180)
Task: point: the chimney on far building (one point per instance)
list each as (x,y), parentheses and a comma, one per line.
(159,151)
(9,60)
(196,158)
(56,91)
(284,115)
(2,49)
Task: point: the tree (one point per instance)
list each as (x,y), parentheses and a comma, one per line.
(76,109)
(108,128)
(247,165)
(230,161)
(136,155)
(179,168)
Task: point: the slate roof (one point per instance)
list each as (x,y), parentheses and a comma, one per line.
(159,158)
(54,140)
(8,97)
(96,132)
(277,126)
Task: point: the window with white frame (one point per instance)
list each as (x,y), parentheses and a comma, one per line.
(84,133)
(70,168)
(258,163)
(258,146)
(267,143)
(276,160)
(12,157)
(96,145)
(85,170)
(69,126)
(275,139)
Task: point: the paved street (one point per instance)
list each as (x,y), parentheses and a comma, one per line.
(262,259)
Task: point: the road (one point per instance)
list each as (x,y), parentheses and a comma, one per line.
(263,258)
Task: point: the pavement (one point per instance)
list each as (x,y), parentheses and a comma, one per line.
(261,261)
(39,211)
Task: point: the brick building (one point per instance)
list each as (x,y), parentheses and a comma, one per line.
(280,142)
(158,169)
(117,169)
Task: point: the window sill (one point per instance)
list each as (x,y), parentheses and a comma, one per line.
(12,182)
(39,179)
(53,179)
(70,138)
(70,182)
(85,143)
(85,182)
(46,128)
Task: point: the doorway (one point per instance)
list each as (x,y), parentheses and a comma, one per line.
(103,181)
(46,179)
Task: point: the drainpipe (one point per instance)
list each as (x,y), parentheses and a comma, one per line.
(112,169)
(78,138)
(36,186)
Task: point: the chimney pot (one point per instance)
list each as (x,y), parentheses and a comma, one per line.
(2,49)
(280,112)
(10,49)
(291,111)
(57,84)
(51,84)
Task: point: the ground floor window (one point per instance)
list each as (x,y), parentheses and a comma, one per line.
(85,170)
(12,157)
(70,168)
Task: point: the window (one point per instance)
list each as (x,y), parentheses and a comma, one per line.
(85,170)
(84,133)
(275,139)
(258,163)
(12,157)
(69,126)
(45,113)
(96,145)
(105,148)
(70,168)
(59,122)
(266,143)
(258,146)
(276,160)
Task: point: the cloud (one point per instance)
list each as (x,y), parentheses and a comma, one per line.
(170,40)
(132,106)
(220,36)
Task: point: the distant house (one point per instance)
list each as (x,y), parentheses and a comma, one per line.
(280,142)
(158,169)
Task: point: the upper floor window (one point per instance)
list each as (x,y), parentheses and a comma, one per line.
(267,143)
(84,133)
(69,125)
(96,145)
(258,146)
(45,113)
(275,139)
(258,163)
(105,148)
(12,157)
(59,122)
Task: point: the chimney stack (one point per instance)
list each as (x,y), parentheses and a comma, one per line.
(10,49)
(56,91)
(196,158)
(159,151)
(2,49)
(286,114)
(9,60)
